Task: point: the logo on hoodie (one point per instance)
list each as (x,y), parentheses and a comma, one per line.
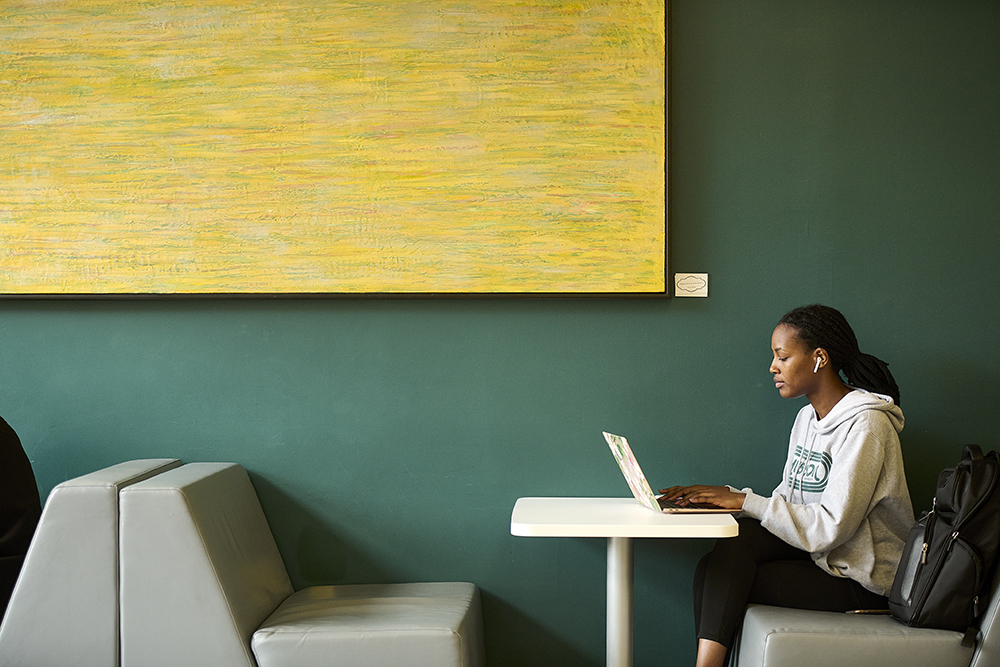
(809,471)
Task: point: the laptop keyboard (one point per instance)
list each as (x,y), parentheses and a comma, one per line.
(669,504)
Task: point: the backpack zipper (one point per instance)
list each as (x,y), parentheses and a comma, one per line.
(929,519)
(977,563)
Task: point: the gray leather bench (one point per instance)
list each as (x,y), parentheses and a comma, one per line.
(203,584)
(780,637)
(64,608)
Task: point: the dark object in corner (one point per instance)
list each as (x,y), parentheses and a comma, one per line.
(20,509)
(949,558)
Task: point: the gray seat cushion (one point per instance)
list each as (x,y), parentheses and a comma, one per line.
(418,625)
(781,637)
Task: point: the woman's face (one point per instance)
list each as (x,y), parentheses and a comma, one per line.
(792,366)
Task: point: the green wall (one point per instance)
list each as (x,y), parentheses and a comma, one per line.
(842,152)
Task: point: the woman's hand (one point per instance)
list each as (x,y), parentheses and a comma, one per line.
(699,494)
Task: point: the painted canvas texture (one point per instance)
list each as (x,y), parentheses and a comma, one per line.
(316,146)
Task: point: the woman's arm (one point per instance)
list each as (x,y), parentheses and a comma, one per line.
(720,496)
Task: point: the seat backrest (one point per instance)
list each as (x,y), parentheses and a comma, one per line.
(64,608)
(988,647)
(199,568)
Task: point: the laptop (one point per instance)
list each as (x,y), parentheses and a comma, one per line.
(640,487)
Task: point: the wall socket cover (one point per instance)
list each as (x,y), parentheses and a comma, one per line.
(690,284)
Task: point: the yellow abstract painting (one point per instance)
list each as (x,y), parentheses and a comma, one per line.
(320,146)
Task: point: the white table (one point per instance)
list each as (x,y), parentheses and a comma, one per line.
(619,520)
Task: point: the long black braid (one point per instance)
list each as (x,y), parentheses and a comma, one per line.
(825,327)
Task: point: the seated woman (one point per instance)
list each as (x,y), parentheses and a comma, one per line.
(19,510)
(830,536)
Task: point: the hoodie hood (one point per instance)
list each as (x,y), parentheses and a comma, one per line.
(856,402)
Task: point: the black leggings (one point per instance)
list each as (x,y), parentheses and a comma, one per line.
(758,567)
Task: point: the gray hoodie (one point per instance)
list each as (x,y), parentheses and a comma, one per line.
(843,496)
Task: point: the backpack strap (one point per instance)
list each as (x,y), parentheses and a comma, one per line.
(973,452)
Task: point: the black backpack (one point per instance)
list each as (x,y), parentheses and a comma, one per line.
(951,551)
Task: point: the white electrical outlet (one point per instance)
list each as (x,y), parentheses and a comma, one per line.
(690,284)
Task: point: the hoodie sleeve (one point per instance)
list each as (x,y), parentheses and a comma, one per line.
(823,525)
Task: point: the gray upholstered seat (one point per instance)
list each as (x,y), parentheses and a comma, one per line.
(418,625)
(203,584)
(780,637)
(64,609)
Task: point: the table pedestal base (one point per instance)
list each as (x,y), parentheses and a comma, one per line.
(620,566)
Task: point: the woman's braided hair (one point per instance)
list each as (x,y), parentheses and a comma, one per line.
(825,327)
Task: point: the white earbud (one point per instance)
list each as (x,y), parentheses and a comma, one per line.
(816,368)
